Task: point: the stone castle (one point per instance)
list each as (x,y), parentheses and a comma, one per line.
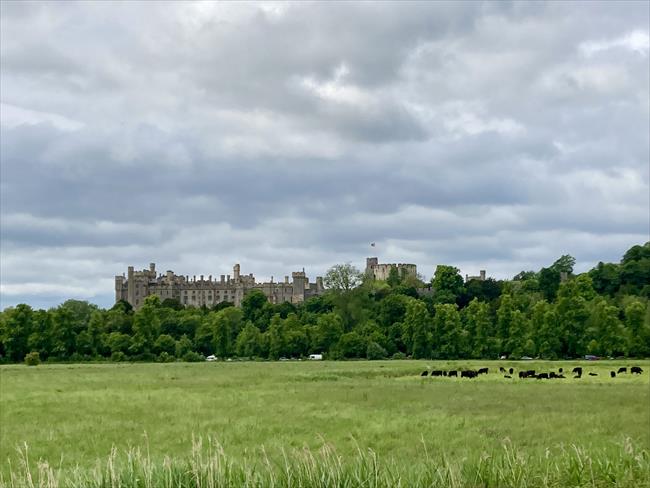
(138,285)
(382,271)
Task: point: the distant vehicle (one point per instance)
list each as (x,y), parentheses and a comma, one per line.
(316,357)
(284,359)
(211,357)
(526,358)
(590,357)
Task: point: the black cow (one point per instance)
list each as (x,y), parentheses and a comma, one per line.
(436,372)
(502,369)
(636,370)
(483,371)
(424,373)
(612,374)
(453,373)
(559,370)
(527,374)
(468,374)
(507,376)
(593,374)
(552,374)
(577,370)
(511,370)
(622,370)
(542,376)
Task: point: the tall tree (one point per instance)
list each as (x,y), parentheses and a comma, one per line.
(342,277)
(447,283)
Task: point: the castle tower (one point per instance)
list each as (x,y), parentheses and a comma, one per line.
(119,286)
(299,281)
(235,273)
(130,284)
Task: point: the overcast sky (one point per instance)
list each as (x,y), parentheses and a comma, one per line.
(281,136)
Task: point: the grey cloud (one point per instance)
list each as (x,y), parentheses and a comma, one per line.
(474,134)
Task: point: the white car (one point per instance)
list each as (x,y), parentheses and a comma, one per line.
(211,357)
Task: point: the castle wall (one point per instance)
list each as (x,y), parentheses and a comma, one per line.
(206,291)
(381,271)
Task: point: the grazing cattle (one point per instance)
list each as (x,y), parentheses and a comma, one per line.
(511,370)
(436,372)
(502,369)
(483,371)
(453,373)
(552,374)
(577,377)
(621,370)
(424,373)
(593,374)
(527,374)
(577,370)
(612,374)
(468,374)
(560,370)
(444,373)
(636,370)
(542,376)
(507,376)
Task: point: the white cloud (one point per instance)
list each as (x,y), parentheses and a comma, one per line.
(13,116)
(637,41)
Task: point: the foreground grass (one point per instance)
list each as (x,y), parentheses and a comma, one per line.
(210,467)
(279,421)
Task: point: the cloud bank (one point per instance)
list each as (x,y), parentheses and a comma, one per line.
(492,136)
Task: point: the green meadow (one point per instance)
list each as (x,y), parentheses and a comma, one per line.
(265,417)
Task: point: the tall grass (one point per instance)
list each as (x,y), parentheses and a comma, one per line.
(207,465)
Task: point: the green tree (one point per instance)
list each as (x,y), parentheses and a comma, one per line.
(146,327)
(606,278)
(564,264)
(329,329)
(165,343)
(417,329)
(249,341)
(572,313)
(225,326)
(15,328)
(447,283)
(549,282)
(342,277)
(449,340)
(352,345)
(478,323)
(394,278)
(638,328)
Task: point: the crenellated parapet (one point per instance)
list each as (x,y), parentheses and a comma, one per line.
(204,290)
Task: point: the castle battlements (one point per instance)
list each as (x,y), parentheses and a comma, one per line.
(204,290)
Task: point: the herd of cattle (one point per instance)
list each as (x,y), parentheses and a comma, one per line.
(531,373)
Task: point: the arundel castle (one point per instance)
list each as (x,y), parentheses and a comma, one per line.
(138,285)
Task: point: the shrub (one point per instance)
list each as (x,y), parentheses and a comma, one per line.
(165,357)
(399,355)
(118,356)
(32,359)
(193,357)
(375,351)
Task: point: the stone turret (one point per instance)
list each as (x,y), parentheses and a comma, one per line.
(235,273)
(299,281)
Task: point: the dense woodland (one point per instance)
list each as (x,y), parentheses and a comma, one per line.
(549,314)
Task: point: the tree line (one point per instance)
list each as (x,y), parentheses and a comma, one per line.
(550,313)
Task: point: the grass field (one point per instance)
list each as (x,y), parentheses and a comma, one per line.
(73,415)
